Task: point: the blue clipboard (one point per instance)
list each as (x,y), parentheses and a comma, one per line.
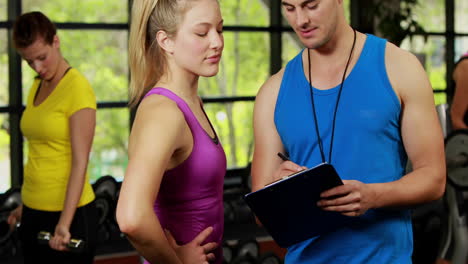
(288,208)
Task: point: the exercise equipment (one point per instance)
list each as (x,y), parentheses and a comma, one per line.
(454,246)
(248,247)
(269,258)
(106,190)
(443,112)
(227,253)
(9,244)
(456,152)
(229,216)
(75,245)
(241,251)
(8,202)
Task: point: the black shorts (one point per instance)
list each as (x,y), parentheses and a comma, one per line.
(84,226)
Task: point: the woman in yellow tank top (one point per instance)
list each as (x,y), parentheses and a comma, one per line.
(58,123)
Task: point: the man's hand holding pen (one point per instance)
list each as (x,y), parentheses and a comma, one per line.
(286,168)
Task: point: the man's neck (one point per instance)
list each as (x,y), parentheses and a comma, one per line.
(336,48)
(329,61)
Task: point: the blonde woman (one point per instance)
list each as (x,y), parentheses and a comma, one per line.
(171,202)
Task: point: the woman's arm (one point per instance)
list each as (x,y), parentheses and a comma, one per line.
(82,124)
(158,132)
(266,165)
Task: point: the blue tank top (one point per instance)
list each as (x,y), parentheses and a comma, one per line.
(367,147)
(190,197)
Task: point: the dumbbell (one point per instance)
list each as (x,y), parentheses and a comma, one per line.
(75,245)
(456,154)
(269,258)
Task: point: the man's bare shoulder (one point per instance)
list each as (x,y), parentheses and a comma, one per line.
(400,58)
(405,71)
(272,85)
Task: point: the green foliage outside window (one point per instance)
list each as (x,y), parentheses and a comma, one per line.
(3,10)
(85,11)
(4,125)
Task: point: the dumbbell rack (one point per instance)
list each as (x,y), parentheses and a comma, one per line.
(244,241)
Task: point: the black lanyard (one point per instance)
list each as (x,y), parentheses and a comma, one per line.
(336,106)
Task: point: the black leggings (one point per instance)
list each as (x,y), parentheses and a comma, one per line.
(84,226)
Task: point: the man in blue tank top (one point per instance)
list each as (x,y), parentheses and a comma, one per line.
(365,106)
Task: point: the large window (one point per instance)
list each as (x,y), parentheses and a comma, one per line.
(109,155)
(3,68)
(461,19)
(245,12)
(4,124)
(243,68)
(3,10)
(461,46)
(431,15)
(4,153)
(430,51)
(83,11)
(94,35)
(233,123)
(98,55)
(461,27)
(442,40)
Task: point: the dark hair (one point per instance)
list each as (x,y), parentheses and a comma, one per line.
(30,26)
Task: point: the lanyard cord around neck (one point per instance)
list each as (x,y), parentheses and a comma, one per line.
(336,106)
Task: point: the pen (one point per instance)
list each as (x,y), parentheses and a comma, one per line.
(282,156)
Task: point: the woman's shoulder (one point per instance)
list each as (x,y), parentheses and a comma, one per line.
(159,108)
(158,117)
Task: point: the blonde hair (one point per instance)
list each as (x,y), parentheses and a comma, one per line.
(147,60)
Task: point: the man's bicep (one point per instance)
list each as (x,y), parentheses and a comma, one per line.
(421,129)
(267,140)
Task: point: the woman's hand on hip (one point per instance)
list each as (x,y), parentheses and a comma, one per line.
(194,252)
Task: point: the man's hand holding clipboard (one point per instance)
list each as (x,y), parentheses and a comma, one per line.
(346,199)
(287,207)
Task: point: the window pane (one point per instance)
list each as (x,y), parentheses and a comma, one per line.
(88,11)
(461,47)
(3,68)
(101,56)
(245,12)
(432,55)
(347,4)
(5,175)
(109,151)
(461,21)
(244,67)
(291,47)
(233,125)
(27,79)
(430,14)
(3,10)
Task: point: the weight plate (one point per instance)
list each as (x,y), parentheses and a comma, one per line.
(456,153)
